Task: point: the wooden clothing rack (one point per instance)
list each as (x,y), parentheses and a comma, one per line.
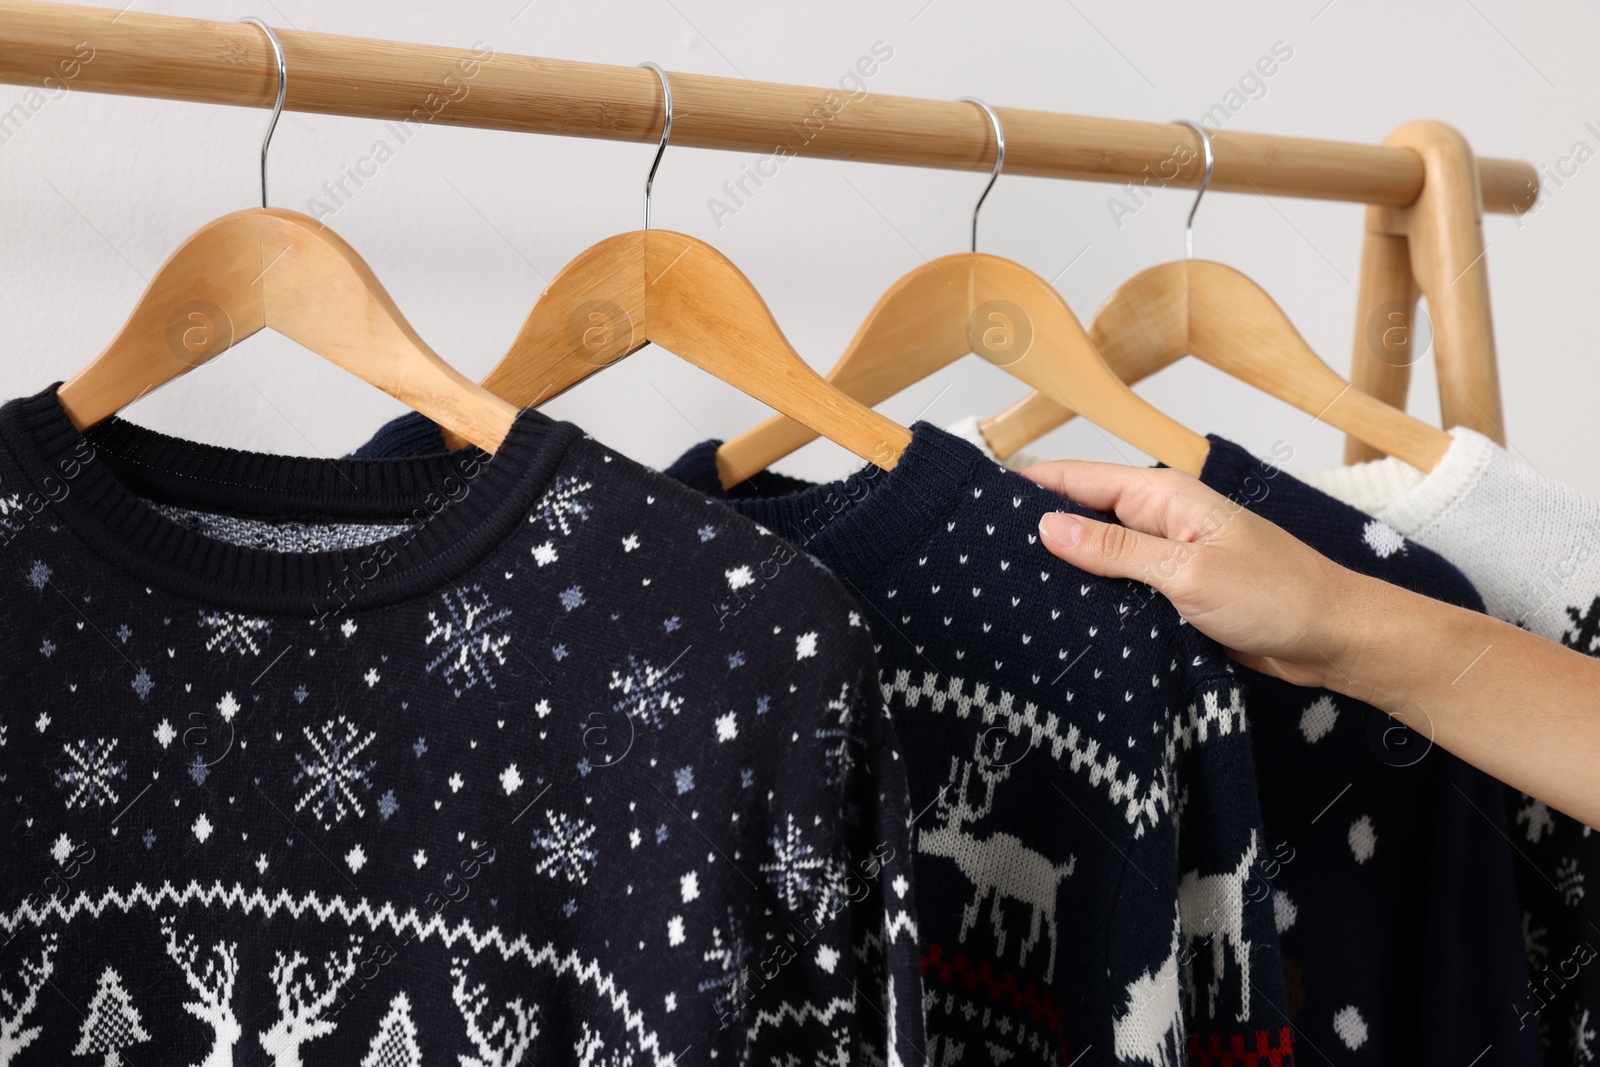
(1425,190)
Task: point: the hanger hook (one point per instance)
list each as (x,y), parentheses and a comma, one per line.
(277,108)
(999,160)
(1205,180)
(666,132)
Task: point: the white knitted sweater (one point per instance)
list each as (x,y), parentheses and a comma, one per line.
(1530,545)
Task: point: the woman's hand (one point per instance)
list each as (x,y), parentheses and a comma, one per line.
(1519,707)
(1275,603)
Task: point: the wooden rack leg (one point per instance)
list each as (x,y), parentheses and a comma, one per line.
(1443,235)
(1385,339)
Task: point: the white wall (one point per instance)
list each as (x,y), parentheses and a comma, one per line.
(465,226)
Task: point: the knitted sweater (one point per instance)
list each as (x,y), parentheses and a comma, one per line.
(1089,846)
(1396,897)
(1391,955)
(452,759)
(1532,547)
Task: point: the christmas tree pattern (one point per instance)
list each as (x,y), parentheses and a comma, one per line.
(113,1022)
(395,1043)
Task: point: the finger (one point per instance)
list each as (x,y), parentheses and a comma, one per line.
(1139,496)
(1105,548)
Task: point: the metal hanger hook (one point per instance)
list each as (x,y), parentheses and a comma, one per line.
(277,108)
(666,133)
(999,160)
(1205,180)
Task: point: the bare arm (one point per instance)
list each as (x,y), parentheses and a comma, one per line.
(1512,704)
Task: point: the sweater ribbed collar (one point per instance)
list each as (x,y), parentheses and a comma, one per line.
(1403,496)
(99,484)
(862,523)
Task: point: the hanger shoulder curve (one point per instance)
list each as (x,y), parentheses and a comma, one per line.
(1062,361)
(972,302)
(677,291)
(915,328)
(1236,326)
(262,268)
(1222,317)
(590,315)
(1141,328)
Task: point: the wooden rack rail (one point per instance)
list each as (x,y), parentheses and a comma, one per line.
(136,54)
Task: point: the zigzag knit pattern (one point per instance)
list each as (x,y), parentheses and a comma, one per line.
(1079,762)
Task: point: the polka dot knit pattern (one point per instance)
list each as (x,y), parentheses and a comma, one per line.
(1532,547)
(1393,875)
(1088,840)
(534,780)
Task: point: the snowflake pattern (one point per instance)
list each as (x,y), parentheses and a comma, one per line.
(1536,817)
(1582,1037)
(566,848)
(231,632)
(646,691)
(39,574)
(796,870)
(1569,881)
(332,772)
(563,504)
(730,953)
(840,742)
(90,772)
(1584,633)
(11,505)
(1536,940)
(466,643)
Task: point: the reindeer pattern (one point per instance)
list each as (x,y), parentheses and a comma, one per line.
(999,865)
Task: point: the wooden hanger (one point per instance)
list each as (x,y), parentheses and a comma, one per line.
(1213,312)
(977,303)
(682,294)
(272,268)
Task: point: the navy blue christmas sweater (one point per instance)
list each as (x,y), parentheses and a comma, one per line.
(1089,846)
(1393,881)
(1388,868)
(448,759)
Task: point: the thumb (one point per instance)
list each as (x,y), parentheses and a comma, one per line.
(1104,548)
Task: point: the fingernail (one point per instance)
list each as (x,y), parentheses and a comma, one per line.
(1062,528)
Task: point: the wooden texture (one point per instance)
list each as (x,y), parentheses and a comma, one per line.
(1220,316)
(1385,333)
(1443,230)
(680,293)
(140,54)
(977,303)
(277,269)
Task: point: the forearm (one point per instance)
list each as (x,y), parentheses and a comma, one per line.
(1513,704)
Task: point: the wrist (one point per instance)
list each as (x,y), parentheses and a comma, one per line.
(1372,631)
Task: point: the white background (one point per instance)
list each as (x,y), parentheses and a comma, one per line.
(466,226)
